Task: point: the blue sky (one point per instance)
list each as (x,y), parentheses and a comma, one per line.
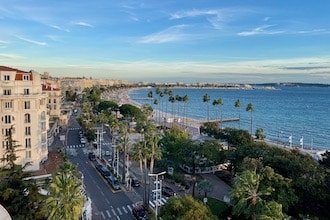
(170,40)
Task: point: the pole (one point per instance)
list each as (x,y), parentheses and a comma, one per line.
(157,189)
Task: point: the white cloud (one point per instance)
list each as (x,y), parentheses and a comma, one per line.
(32,41)
(59,28)
(262,30)
(9,56)
(3,42)
(84,24)
(171,34)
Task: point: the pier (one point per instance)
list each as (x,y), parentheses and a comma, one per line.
(219,120)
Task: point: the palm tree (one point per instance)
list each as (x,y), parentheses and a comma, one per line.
(171,99)
(205,186)
(238,105)
(206,98)
(153,138)
(150,97)
(248,195)
(158,92)
(185,99)
(250,108)
(123,145)
(161,95)
(219,103)
(65,200)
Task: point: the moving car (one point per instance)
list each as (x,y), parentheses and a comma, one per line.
(135,182)
(91,156)
(168,191)
(139,213)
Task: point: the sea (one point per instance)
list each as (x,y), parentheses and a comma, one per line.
(296,114)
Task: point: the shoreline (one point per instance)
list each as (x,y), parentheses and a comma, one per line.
(122,96)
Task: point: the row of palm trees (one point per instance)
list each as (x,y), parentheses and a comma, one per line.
(206,99)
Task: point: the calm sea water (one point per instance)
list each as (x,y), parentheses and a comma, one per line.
(300,112)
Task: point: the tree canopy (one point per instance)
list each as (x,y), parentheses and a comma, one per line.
(185,208)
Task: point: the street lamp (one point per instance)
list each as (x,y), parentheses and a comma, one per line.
(158,188)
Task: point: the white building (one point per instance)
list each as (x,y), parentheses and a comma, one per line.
(23,106)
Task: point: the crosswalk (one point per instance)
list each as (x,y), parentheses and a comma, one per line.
(116,212)
(160,202)
(73,129)
(76,146)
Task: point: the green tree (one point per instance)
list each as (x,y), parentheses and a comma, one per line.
(65,200)
(124,145)
(238,105)
(173,144)
(249,197)
(185,208)
(205,187)
(260,135)
(206,98)
(250,108)
(218,102)
(185,100)
(18,193)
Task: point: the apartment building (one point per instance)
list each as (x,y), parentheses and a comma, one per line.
(23,106)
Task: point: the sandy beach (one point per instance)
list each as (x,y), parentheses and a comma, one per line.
(159,117)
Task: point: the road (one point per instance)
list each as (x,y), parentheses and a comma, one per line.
(106,203)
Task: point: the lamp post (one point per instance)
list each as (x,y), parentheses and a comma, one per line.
(158,189)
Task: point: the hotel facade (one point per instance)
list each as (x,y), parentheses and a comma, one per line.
(23,107)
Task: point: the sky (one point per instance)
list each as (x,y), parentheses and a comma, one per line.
(220,41)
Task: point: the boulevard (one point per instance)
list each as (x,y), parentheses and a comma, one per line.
(106,203)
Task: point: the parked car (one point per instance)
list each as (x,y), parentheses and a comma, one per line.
(113,182)
(99,167)
(91,156)
(168,191)
(82,140)
(135,182)
(105,172)
(139,213)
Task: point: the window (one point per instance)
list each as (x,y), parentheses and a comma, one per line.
(28,154)
(26,77)
(43,115)
(5,144)
(27,130)
(6,132)
(27,105)
(7,92)
(27,118)
(26,91)
(49,101)
(54,100)
(6,77)
(8,105)
(7,119)
(27,142)
(43,126)
(43,137)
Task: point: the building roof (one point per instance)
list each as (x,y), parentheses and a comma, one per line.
(5,68)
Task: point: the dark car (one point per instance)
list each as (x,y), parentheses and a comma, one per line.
(135,182)
(168,191)
(91,156)
(98,167)
(105,172)
(139,213)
